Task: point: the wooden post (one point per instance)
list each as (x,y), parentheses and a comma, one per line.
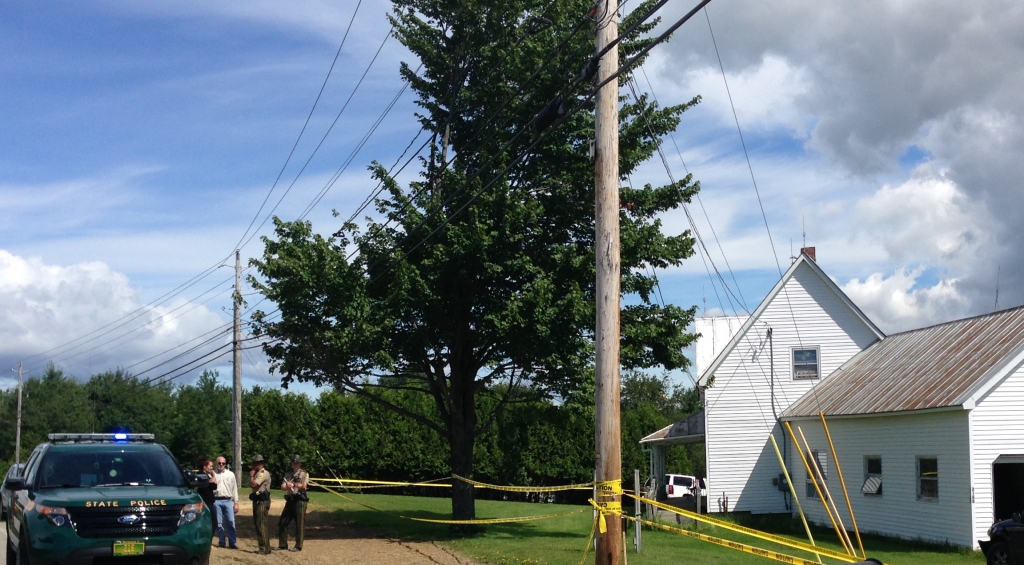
(236,410)
(17,433)
(638,492)
(606,196)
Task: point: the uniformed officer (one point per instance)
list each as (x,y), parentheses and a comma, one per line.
(295,501)
(259,480)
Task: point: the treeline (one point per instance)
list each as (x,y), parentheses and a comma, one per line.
(534,443)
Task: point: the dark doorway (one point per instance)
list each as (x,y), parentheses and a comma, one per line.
(1007,489)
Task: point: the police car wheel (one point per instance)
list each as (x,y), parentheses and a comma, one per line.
(21,555)
(999,554)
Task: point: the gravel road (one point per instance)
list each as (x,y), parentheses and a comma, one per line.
(329,542)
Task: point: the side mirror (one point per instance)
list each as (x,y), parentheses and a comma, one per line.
(1017,517)
(197,480)
(15,483)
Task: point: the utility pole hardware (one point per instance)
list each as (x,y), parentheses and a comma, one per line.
(236,409)
(606,370)
(17,434)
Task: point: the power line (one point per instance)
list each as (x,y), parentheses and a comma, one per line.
(700,202)
(135,333)
(744,144)
(560,120)
(322,139)
(304,125)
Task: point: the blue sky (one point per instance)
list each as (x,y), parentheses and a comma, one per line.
(139,140)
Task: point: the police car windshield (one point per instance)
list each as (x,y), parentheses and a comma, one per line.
(76,469)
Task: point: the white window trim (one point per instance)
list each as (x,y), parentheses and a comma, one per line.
(917,469)
(792,362)
(868,475)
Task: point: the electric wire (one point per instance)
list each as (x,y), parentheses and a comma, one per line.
(700,202)
(137,332)
(355,151)
(304,125)
(129,316)
(484,127)
(590,95)
(743,143)
(631,83)
(322,139)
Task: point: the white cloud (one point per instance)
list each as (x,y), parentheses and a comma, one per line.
(927,219)
(895,304)
(765,94)
(46,307)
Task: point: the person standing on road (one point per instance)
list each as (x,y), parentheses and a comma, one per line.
(295,501)
(259,480)
(207,492)
(225,503)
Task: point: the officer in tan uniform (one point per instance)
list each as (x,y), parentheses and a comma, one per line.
(295,501)
(259,480)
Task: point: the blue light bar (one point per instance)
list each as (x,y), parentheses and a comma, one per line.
(121,436)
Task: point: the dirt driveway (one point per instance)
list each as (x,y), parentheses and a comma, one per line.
(328,542)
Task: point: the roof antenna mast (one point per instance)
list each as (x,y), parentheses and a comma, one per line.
(998,270)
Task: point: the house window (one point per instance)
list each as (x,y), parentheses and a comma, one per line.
(806,363)
(927,478)
(872,475)
(819,458)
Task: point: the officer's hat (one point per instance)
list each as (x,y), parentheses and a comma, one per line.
(296,459)
(257,459)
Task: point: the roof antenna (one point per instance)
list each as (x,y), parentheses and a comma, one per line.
(803,229)
(792,258)
(998,270)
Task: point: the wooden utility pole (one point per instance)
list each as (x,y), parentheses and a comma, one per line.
(236,411)
(606,370)
(17,434)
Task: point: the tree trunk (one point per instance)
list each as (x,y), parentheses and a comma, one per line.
(461,438)
(463,502)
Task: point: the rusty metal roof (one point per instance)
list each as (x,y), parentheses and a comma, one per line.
(934,367)
(690,430)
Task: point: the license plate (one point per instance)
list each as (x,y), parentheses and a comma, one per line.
(123,548)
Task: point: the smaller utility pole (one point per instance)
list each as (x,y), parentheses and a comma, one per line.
(17,434)
(236,412)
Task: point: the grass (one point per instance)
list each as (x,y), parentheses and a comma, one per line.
(561,540)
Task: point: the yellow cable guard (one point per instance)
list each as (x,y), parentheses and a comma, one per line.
(432,521)
(477,484)
(364,484)
(781,540)
(607,489)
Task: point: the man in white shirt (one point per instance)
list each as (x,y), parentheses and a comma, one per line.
(225,503)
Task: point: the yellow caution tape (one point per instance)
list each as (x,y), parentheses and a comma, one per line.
(781,540)
(607,489)
(590,540)
(432,521)
(359,483)
(477,484)
(773,555)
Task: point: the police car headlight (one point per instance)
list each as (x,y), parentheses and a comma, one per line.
(55,515)
(190,513)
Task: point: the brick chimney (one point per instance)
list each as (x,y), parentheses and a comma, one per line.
(809,251)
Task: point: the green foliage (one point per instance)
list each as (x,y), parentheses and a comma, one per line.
(537,442)
(475,288)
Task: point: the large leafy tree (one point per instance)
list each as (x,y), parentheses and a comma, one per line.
(478,281)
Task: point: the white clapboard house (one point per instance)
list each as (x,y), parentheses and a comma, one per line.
(928,424)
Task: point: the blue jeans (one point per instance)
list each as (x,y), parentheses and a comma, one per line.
(225,509)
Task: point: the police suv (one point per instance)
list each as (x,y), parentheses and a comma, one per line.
(100,499)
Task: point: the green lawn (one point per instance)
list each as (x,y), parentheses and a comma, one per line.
(560,541)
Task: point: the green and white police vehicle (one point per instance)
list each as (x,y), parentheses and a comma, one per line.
(106,499)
